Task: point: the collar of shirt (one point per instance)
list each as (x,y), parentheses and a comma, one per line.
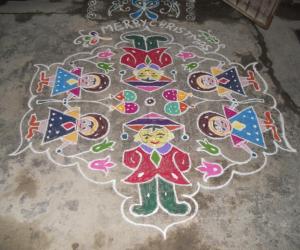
(162,150)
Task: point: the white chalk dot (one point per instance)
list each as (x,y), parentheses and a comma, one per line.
(141,174)
(174,176)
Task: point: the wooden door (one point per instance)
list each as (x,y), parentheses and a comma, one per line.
(260,11)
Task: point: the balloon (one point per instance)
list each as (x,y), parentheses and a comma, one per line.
(126,95)
(127,108)
(181,95)
(176,108)
(170,95)
(175,95)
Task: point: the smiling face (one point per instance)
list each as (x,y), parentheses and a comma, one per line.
(219,125)
(148,74)
(214,125)
(154,136)
(94,82)
(90,81)
(206,82)
(202,81)
(93,126)
(88,125)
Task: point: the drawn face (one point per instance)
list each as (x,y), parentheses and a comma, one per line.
(206,82)
(88,125)
(219,125)
(155,138)
(148,74)
(90,81)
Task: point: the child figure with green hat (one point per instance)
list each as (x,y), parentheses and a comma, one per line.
(158,165)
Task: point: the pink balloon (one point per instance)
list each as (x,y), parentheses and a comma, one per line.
(131,108)
(170,95)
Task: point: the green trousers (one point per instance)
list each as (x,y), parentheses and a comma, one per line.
(166,195)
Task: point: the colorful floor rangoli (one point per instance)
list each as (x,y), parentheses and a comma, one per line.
(155,118)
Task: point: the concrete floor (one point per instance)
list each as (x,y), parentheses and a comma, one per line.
(47,207)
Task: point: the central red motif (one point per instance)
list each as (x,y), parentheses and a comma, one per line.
(147,60)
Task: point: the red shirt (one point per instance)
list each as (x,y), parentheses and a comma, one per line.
(170,167)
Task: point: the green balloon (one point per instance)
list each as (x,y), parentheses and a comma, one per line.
(172,108)
(130,96)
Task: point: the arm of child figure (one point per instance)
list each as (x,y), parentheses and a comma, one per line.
(246,148)
(44,81)
(250,80)
(51,79)
(221,65)
(269,124)
(67,99)
(233,105)
(182,160)
(233,100)
(131,159)
(61,148)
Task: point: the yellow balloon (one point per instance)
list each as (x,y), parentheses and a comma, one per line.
(181,95)
(121,108)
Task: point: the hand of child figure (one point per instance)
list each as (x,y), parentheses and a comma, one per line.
(251,80)
(234,104)
(43,81)
(247,149)
(221,65)
(60,149)
(269,124)
(33,127)
(66,102)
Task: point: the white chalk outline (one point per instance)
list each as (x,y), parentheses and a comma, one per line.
(164,231)
(91,10)
(190,10)
(214,54)
(173,71)
(288,148)
(80,39)
(172,6)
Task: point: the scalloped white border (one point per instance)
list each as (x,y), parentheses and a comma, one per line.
(206,55)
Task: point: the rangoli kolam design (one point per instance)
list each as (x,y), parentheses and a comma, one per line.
(157,119)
